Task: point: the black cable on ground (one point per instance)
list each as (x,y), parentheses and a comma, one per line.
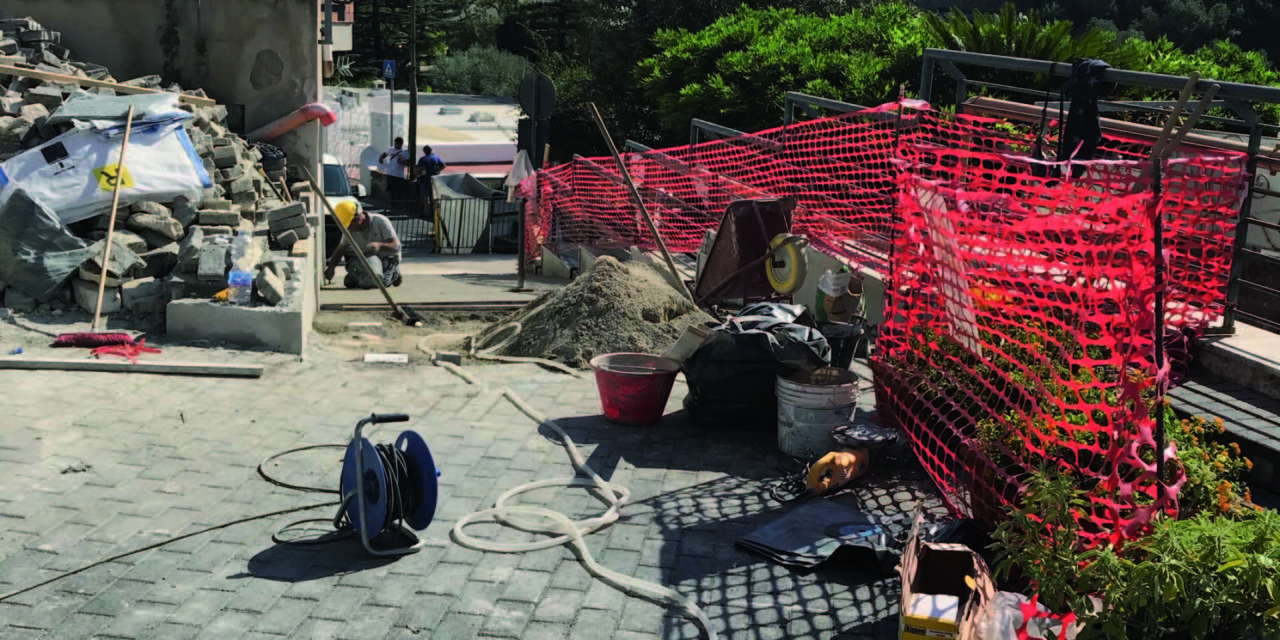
(68,574)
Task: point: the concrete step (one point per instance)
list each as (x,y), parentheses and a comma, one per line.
(1250,358)
(1251,418)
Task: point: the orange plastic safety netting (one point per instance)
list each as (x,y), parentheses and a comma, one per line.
(1019,333)
(842,172)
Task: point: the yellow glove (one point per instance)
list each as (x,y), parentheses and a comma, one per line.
(836,469)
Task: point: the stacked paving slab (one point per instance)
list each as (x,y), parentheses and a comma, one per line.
(163,251)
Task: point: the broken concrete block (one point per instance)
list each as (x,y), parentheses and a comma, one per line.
(11,105)
(184,212)
(8,46)
(49,130)
(50,96)
(18,301)
(33,112)
(164,225)
(155,240)
(270,286)
(216,204)
(149,82)
(213,262)
(130,239)
(123,259)
(189,250)
(280,225)
(226,218)
(145,295)
(224,157)
(161,261)
(88,275)
(17,129)
(87,296)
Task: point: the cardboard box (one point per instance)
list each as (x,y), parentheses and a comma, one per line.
(946,589)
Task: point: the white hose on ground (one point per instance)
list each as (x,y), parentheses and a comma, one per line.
(541,520)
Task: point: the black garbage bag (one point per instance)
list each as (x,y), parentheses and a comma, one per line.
(793,313)
(732,378)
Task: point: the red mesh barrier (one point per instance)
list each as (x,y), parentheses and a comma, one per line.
(842,170)
(1022,291)
(1019,333)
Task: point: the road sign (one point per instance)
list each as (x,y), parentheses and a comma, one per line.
(537,96)
(389,69)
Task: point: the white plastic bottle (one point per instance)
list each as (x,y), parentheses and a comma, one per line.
(240,280)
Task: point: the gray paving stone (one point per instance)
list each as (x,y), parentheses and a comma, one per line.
(508,619)
(526,586)
(559,605)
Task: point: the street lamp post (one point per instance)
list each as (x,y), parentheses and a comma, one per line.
(413,93)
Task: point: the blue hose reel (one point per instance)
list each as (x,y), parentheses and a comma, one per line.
(388,487)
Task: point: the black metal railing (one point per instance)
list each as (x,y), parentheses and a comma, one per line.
(455,225)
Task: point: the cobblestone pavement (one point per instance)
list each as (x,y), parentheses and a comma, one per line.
(94,464)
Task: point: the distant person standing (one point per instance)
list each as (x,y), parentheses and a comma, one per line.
(429,166)
(395,163)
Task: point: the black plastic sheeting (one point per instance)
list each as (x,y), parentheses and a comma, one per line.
(37,252)
(732,378)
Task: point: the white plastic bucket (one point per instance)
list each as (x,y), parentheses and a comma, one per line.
(808,412)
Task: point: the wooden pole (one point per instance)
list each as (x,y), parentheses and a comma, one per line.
(10,70)
(635,196)
(111,226)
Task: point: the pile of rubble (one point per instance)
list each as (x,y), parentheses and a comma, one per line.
(163,250)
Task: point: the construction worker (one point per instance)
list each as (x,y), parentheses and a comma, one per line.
(378,244)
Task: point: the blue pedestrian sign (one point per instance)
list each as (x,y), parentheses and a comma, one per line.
(389,69)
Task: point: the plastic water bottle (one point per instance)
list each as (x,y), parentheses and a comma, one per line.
(240,283)
(239,249)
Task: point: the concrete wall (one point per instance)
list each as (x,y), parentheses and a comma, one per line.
(259,56)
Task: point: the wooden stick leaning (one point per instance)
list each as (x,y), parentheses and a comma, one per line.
(10,70)
(111,226)
(403,314)
(639,202)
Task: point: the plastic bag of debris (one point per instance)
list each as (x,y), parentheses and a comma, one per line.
(37,252)
(93,111)
(75,173)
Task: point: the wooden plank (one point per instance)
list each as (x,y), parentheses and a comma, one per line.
(90,82)
(121,366)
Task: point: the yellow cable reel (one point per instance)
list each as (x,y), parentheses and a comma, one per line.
(787,267)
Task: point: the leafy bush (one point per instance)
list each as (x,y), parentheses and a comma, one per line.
(736,71)
(1208,576)
(481,71)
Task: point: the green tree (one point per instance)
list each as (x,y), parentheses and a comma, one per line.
(1024,35)
(483,71)
(736,71)
(1220,60)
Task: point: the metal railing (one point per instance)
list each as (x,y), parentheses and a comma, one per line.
(456,225)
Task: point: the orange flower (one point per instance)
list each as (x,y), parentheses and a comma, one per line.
(1224,497)
(1217,422)
(1248,464)
(1235,447)
(1248,496)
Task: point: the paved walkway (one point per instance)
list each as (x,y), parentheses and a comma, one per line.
(95,464)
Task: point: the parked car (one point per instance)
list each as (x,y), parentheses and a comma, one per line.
(337,188)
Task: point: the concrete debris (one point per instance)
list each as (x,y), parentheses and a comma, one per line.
(87,296)
(163,251)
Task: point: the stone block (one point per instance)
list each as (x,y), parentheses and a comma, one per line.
(145,295)
(50,96)
(161,261)
(8,46)
(88,274)
(155,240)
(219,231)
(164,225)
(155,208)
(130,239)
(270,286)
(18,129)
(224,156)
(213,261)
(231,174)
(87,296)
(184,212)
(216,204)
(287,239)
(280,225)
(287,211)
(188,285)
(49,130)
(18,301)
(225,218)
(123,259)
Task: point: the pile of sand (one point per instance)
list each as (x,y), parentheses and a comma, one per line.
(614,307)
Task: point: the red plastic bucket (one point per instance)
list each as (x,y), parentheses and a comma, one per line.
(634,387)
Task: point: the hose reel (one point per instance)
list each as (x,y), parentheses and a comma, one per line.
(388,487)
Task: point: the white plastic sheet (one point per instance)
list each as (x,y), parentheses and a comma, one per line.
(74,174)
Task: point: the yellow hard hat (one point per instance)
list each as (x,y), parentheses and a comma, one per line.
(346,210)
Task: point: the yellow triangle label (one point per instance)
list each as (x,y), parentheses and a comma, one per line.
(107,177)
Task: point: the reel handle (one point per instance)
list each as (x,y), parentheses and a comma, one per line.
(388,417)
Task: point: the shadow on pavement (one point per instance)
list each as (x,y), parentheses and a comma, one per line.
(300,563)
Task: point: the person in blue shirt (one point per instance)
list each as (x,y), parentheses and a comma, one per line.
(429,166)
